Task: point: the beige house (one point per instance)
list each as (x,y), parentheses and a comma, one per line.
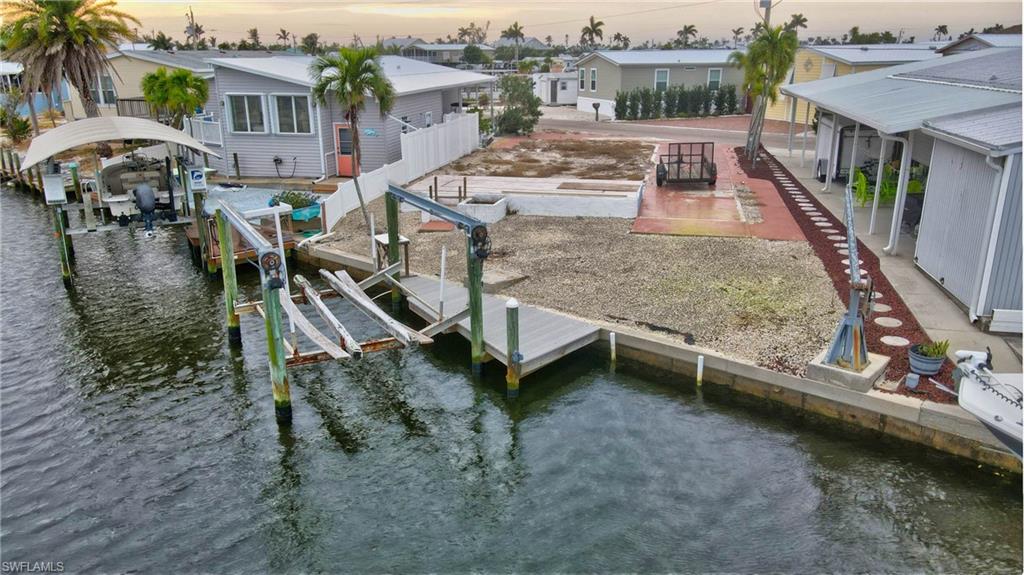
(601,74)
(819,62)
(118,92)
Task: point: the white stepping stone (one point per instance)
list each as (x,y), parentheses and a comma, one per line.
(895,341)
(829,231)
(847,261)
(843,252)
(839,245)
(822,224)
(837,238)
(880,308)
(876,295)
(888,321)
(807,207)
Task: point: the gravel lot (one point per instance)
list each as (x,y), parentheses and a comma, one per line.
(765,301)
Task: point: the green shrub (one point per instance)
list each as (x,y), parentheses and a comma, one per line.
(297,199)
(18,129)
(670,101)
(682,102)
(935,349)
(696,98)
(707,97)
(659,99)
(646,103)
(720,102)
(633,112)
(621,105)
(483,101)
(522,107)
(730,99)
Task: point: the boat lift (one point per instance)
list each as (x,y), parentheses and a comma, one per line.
(342,345)
(849,348)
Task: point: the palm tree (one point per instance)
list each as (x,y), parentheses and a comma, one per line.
(177,93)
(621,40)
(160,42)
(514,33)
(64,40)
(683,36)
(796,21)
(548,39)
(311,43)
(283,35)
(254,37)
(351,75)
(736,33)
(193,31)
(940,31)
(592,32)
(765,65)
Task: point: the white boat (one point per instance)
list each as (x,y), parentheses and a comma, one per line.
(119,177)
(994,398)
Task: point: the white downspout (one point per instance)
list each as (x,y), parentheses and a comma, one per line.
(878,177)
(807,118)
(833,146)
(792,126)
(995,211)
(901,196)
(320,141)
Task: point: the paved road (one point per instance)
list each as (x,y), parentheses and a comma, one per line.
(667,132)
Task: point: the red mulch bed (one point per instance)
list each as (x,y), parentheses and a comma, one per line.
(899,363)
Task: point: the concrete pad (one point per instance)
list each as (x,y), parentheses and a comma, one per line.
(880,308)
(494,281)
(818,370)
(895,341)
(887,321)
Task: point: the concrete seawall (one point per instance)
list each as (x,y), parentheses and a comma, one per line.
(946,428)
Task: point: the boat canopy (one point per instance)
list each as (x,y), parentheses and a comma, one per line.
(92,130)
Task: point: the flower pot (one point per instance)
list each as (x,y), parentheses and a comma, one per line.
(922,364)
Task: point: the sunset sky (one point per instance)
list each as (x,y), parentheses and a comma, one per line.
(338,21)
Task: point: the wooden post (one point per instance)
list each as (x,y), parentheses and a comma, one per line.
(512,356)
(58,232)
(75,182)
(276,354)
(69,245)
(227,271)
(39,178)
(19,177)
(474,285)
(3,161)
(391,203)
(465,188)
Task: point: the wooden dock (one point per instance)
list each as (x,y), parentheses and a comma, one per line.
(544,336)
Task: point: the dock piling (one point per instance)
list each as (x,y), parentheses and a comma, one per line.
(474,285)
(75,182)
(276,354)
(700,370)
(611,344)
(227,270)
(3,161)
(514,360)
(392,213)
(65,257)
(440,295)
(39,178)
(19,177)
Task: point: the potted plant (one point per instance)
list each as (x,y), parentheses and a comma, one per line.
(926,359)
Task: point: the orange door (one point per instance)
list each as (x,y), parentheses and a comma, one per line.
(343,150)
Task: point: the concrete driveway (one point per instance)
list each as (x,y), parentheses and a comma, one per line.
(673,133)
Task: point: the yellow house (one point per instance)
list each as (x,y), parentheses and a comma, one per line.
(118,92)
(818,62)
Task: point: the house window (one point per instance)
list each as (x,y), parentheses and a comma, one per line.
(428,119)
(661,79)
(103,91)
(689,68)
(292,114)
(714,78)
(563,85)
(405,124)
(593,79)
(583,79)
(246,112)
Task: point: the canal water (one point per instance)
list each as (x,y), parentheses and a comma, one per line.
(134,439)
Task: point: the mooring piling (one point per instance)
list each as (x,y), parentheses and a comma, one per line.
(3,161)
(700,370)
(75,182)
(19,177)
(611,344)
(225,240)
(275,352)
(474,284)
(60,233)
(440,295)
(391,203)
(512,348)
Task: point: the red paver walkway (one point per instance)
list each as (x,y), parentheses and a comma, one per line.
(703,210)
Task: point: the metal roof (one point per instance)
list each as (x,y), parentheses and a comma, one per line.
(447,47)
(91,130)
(890,103)
(661,57)
(400,42)
(408,76)
(990,40)
(1001,71)
(10,68)
(992,129)
(195,60)
(863,54)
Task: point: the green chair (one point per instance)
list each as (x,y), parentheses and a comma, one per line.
(861,190)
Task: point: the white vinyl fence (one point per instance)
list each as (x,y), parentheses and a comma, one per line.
(204,130)
(422,151)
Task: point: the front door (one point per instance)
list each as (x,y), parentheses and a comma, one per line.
(343,149)
(554,91)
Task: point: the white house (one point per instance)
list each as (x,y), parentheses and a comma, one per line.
(555,88)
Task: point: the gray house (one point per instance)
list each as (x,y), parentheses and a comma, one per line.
(441,53)
(980,42)
(270,125)
(953,126)
(603,73)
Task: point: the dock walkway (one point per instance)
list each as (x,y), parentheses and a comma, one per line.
(544,336)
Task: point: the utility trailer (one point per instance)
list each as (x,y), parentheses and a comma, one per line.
(688,162)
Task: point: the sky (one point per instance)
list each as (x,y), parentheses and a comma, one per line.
(650,20)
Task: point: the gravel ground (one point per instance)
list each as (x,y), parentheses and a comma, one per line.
(593,158)
(765,301)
